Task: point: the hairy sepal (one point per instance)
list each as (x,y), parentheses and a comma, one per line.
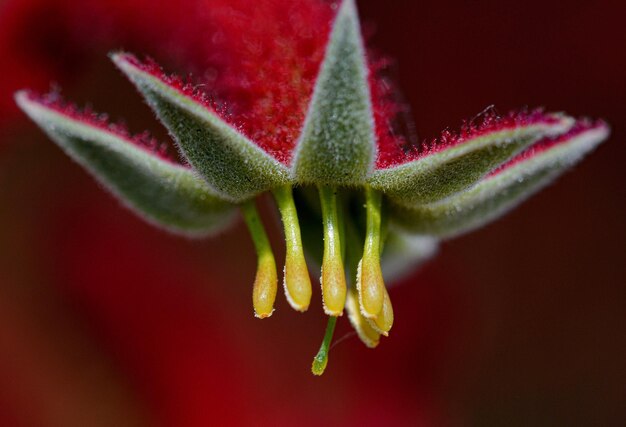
(443,173)
(163,193)
(499,192)
(232,164)
(337,145)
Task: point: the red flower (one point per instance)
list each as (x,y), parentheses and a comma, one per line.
(285,106)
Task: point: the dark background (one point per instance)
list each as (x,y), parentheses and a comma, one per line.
(106,321)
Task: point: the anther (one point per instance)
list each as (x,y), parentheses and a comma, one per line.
(361,325)
(266,281)
(369,283)
(384,321)
(296,281)
(333,278)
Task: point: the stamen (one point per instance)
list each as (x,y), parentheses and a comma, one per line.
(384,321)
(321,358)
(369,283)
(333,278)
(266,280)
(296,281)
(361,325)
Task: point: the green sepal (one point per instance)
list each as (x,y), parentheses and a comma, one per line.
(232,164)
(337,145)
(163,193)
(498,193)
(454,169)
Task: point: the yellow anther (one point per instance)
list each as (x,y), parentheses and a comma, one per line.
(265,286)
(369,283)
(364,330)
(333,277)
(296,278)
(370,287)
(297,282)
(266,280)
(384,321)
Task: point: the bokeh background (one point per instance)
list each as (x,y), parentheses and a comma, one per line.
(106,321)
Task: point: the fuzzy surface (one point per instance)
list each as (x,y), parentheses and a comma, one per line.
(500,192)
(166,195)
(459,160)
(87,116)
(580,127)
(232,165)
(337,145)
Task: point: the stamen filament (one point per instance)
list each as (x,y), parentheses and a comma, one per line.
(266,280)
(296,281)
(370,284)
(321,358)
(333,278)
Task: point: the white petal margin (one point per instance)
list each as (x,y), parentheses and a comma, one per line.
(163,193)
(499,193)
(338,145)
(454,169)
(232,164)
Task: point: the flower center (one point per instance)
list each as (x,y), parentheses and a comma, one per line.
(343,230)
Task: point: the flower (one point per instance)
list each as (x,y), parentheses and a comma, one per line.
(300,110)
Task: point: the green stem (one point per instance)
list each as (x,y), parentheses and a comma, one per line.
(384,227)
(373,203)
(255,226)
(287,207)
(321,358)
(353,243)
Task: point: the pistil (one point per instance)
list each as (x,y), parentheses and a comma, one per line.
(321,359)
(333,278)
(297,282)
(266,281)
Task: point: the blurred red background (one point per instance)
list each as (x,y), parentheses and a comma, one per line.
(107,321)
